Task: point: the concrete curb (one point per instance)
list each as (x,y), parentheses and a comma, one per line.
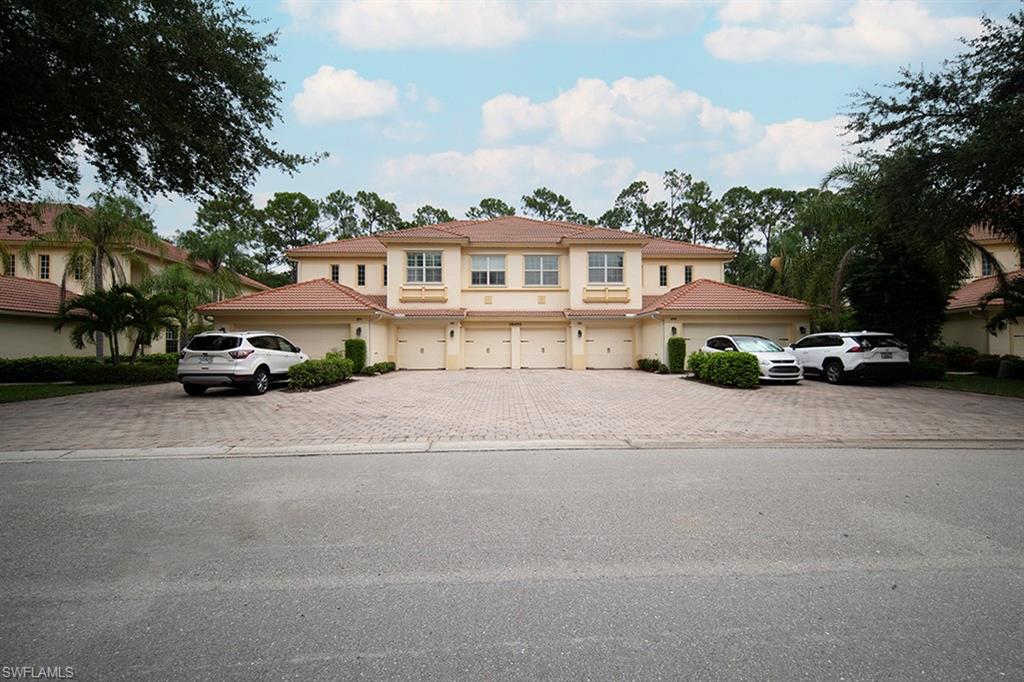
(426,447)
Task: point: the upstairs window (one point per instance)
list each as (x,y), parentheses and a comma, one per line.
(987,267)
(662,275)
(361,275)
(385,275)
(487,270)
(541,271)
(423,267)
(605,267)
(76,268)
(687,274)
(44,266)
(10,266)
(335,273)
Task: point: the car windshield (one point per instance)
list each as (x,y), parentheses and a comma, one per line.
(214,342)
(755,344)
(870,341)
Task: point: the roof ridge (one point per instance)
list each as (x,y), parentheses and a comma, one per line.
(348,290)
(743,288)
(264,291)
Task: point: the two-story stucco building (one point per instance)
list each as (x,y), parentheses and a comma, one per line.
(510,292)
(30,294)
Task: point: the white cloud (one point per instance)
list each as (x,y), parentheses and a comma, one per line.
(593,113)
(342,95)
(430,103)
(470,24)
(868,31)
(795,149)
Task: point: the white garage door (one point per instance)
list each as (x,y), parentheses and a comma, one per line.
(542,348)
(697,334)
(609,348)
(421,348)
(487,348)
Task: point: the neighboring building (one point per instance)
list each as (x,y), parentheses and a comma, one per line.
(510,292)
(965,318)
(30,295)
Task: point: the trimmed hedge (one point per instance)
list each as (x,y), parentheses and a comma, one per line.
(728,368)
(986,365)
(42,368)
(314,373)
(158,359)
(648,364)
(355,350)
(385,367)
(98,373)
(1011,367)
(959,358)
(926,370)
(676,354)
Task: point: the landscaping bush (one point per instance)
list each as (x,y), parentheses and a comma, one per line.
(933,358)
(987,365)
(926,370)
(315,373)
(42,369)
(648,364)
(1011,367)
(662,368)
(369,371)
(158,359)
(676,354)
(385,367)
(355,350)
(99,373)
(959,358)
(726,369)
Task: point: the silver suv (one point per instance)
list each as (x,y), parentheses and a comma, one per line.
(247,359)
(839,356)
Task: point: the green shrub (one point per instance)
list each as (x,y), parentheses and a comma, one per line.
(676,354)
(355,350)
(158,359)
(926,370)
(42,369)
(99,373)
(987,365)
(1011,367)
(314,373)
(385,367)
(369,371)
(648,364)
(726,369)
(934,358)
(662,368)
(959,358)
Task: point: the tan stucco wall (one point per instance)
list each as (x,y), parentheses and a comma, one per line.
(451,275)
(579,275)
(24,336)
(320,268)
(966,329)
(702,269)
(1007,255)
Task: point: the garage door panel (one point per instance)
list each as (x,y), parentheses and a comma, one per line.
(697,334)
(542,348)
(421,348)
(610,348)
(487,348)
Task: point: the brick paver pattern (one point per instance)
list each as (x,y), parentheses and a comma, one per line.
(507,405)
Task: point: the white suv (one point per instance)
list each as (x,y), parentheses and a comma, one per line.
(775,364)
(838,356)
(249,359)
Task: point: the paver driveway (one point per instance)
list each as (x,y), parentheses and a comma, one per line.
(508,405)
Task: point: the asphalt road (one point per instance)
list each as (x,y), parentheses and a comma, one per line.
(642,564)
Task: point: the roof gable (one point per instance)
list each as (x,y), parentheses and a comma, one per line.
(311,295)
(706,294)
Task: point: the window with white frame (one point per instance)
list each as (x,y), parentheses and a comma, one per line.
(541,271)
(662,275)
(987,268)
(605,267)
(487,270)
(335,272)
(76,268)
(361,275)
(171,340)
(44,266)
(687,274)
(423,267)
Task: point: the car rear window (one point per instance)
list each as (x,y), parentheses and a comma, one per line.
(869,341)
(216,342)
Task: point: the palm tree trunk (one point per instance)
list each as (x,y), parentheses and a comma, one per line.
(97,281)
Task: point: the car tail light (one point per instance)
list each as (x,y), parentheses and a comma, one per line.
(240,354)
(856,349)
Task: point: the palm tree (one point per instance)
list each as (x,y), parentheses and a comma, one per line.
(98,313)
(114,228)
(148,316)
(184,291)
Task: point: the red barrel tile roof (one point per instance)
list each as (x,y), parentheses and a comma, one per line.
(22,295)
(312,295)
(706,294)
(970,294)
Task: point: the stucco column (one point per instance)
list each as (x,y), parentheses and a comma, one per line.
(516,339)
(578,330)
(453,344)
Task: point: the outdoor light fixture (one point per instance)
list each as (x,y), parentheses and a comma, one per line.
(451,334)
(359,331)
(674,330)
(579,333)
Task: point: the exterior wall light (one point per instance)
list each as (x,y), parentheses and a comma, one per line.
(359,331)
(674,331)
(579,333)
(451,333)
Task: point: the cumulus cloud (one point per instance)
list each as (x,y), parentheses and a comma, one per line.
(593,113)
(342,95)
(867,31)
(472,24)
(797,148)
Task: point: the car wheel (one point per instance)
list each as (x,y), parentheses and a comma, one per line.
(834,372)
(260,381)
(194,389)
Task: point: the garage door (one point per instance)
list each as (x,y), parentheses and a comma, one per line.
(610,348)
(697,334)
(421,348)
(542,348)
(487,348)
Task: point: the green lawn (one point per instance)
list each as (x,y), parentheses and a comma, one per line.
(974,383)
(15,393)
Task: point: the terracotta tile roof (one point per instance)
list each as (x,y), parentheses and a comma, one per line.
(314,294)
(558,314)
(48,214)
(19,294)
(359,246)
(658,246)
(985,233)
(429,312)
(970,294)
(379,299)
(706,294)
(603,312)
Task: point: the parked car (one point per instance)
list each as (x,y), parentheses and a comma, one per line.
(246,359)
(838,356)
(775,363)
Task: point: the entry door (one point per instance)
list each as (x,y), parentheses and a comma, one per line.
(610,348)
(421,348)
(488,348)
(542,348)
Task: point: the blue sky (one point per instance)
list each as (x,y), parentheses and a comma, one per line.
(445,103)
